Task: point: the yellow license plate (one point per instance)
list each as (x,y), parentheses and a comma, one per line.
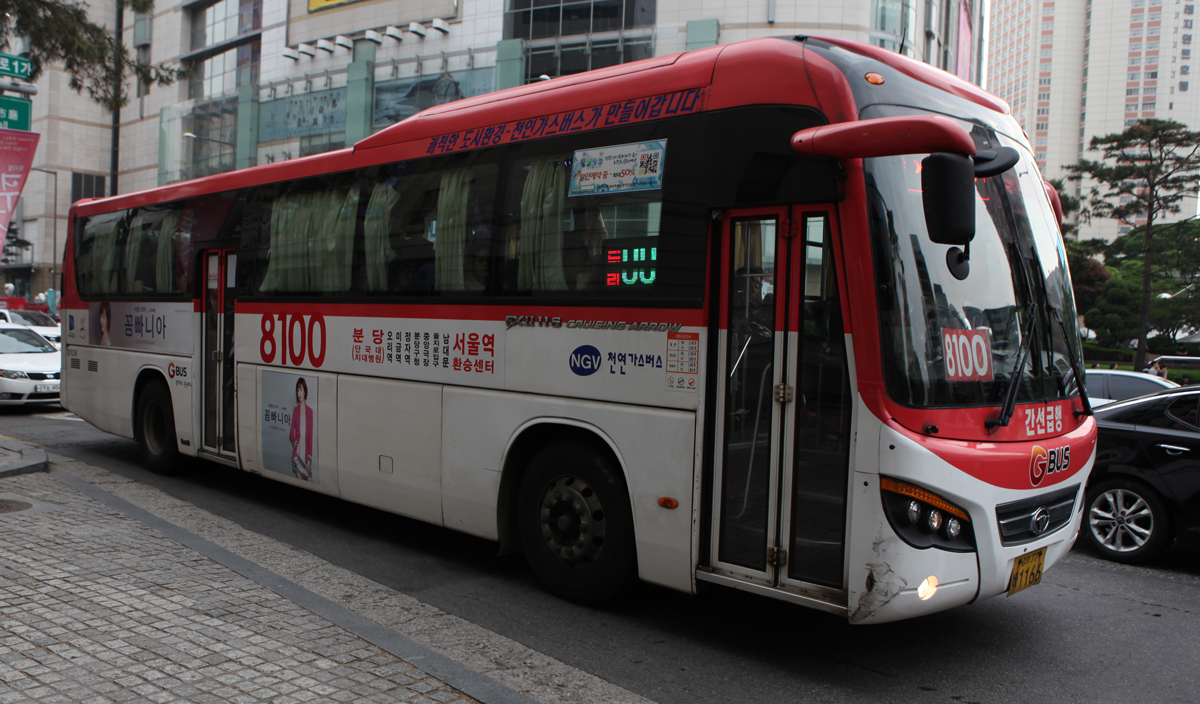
(1027,571)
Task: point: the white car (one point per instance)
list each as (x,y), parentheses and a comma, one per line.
(30,366)
(1107,385)
(41,323)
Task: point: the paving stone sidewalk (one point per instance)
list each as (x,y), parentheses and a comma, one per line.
(97,607)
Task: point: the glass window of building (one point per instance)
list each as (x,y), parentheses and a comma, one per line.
(893,25)
(564,37)
(222,23)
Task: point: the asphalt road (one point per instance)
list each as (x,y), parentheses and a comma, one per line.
(1093,631)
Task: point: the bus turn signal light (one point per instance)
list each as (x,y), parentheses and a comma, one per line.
(922,495)
(668,502)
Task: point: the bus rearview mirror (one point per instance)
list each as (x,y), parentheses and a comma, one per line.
(948,196)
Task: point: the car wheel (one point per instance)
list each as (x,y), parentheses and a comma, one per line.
(156,429)
(1126,521)
(576,524)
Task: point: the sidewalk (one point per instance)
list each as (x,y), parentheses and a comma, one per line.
(102,600)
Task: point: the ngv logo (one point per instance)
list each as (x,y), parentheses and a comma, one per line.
(585,360)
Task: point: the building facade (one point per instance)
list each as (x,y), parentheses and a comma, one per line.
(273,80)
(1077,70)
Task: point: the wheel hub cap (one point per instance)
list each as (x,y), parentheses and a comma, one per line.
(572,521)
(1120,520)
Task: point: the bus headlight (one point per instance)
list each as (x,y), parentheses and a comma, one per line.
(934,521)
(914,512)
(925,520)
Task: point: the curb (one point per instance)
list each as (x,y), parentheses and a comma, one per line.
(19,458)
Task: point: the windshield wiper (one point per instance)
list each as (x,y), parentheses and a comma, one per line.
(1076,367)
(1014,379)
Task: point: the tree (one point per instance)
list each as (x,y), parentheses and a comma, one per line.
(1171,315)
(1144,171)
(95,59)
(1070,206)
(1114,319)
(14,246)
(1175,251)
(1088,277)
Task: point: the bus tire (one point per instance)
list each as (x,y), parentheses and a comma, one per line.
(576,524)
(156,428)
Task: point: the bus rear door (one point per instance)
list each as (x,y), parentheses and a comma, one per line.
(219,401)
(783,436)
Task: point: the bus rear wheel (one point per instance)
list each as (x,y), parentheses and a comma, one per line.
(576,524)
(156,428)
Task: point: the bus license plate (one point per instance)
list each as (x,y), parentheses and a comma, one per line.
(45,388)
(1027,571)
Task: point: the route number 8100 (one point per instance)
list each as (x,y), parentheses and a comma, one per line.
(300,336)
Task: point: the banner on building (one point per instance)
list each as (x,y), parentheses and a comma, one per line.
(16,156)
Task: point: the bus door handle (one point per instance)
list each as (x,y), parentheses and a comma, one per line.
(217,356)
(1173,449)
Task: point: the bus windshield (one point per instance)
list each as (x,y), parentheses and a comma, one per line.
(950,342)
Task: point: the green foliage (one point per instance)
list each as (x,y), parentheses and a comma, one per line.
(1087,278)
(1093,353)
(60,31)
(1089,249)
(1114,318)
(1144,172)
(1070,207)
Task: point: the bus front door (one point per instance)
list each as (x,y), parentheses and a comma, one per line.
(784,408)
(217,369)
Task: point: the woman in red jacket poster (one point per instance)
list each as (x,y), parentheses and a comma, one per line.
(301,434)
(289,425)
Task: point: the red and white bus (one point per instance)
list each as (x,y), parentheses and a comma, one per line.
(787,315)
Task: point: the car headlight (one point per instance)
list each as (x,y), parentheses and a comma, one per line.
(13,374)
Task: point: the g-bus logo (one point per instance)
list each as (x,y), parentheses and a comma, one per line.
(585,360)
(176,370)
(1045,462)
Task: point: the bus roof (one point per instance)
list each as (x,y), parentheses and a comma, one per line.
(724,76)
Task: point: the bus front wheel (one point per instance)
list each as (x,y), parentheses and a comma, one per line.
(156,428)
(576,524)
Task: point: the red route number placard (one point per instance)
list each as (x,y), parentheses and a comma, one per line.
(968,355)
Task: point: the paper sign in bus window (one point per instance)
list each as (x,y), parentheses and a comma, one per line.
(968,355)
(618,169)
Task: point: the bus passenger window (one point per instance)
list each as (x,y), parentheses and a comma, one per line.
(312,238)
(150,239)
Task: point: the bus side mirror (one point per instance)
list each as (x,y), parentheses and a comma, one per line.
(948,194)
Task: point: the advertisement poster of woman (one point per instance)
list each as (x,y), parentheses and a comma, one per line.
(102,324)
(290,424)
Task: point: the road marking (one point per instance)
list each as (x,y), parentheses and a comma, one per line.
(65,415)
(23,442)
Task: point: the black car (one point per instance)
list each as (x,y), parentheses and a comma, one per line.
(1145,487)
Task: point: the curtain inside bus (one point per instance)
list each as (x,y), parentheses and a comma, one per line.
(541,239)
(168,241)
(451,230)
(103,236)
(379,252)
(312,241)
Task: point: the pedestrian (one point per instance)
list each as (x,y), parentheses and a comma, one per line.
(1187,380)
(1113,365)
(1162,370)
(1095,365)
(1155,368)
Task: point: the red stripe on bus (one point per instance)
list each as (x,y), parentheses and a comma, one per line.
(688,317)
